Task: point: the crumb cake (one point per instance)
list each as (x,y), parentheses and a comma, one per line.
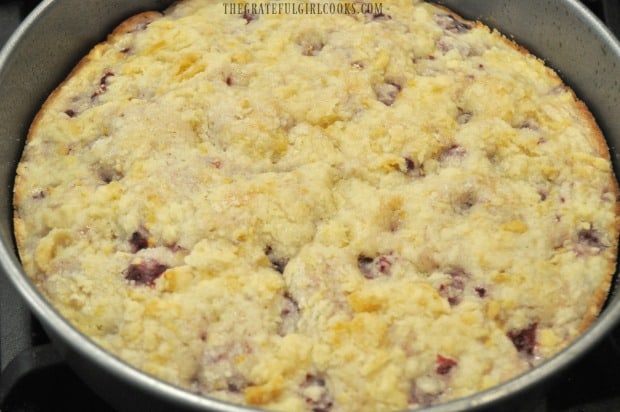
(368,211)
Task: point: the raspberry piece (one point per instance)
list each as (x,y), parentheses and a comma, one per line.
(589,242)
(373,268)
(590,238)
(103,85)
(364,263)
(278,263)
(138,241)
(412,168)
(444,365)
(524,339)
(249,17)
(316,393)
(145,272)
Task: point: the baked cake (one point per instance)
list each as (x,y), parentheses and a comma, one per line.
(367,211)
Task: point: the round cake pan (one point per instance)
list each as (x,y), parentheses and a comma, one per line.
(59,32)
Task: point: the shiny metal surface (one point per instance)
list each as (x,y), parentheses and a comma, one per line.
(59,32)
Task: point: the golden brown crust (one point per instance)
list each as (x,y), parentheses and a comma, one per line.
(135,23)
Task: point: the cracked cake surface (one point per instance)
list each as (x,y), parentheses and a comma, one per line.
(362,212)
